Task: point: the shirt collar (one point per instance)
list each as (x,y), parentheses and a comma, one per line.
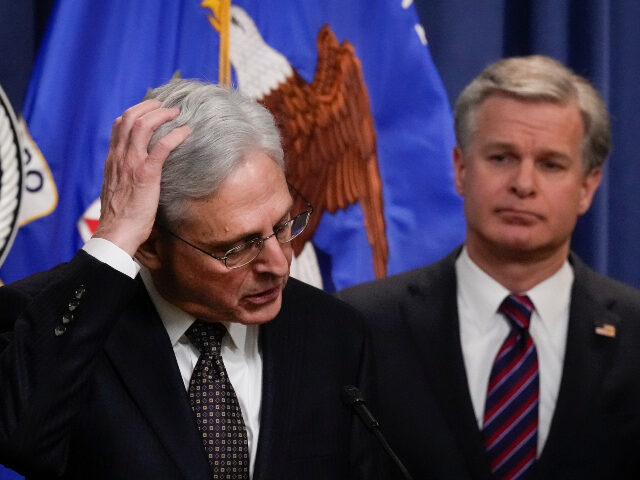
(177,321)
(483,294)
(552,296)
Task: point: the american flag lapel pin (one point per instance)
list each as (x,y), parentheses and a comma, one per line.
(606,330)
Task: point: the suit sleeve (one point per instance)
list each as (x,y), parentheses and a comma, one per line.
(52,327)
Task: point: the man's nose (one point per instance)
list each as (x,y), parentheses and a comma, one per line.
(274,258)
(523,181)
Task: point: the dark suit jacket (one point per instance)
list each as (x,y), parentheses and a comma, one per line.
(105,400)
(424,402)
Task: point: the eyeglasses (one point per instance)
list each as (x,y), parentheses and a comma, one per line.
(246,252)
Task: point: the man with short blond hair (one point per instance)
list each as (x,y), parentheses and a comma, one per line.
(513,358)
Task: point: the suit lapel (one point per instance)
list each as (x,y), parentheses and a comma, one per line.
(588,356)
(431,313)
(141,353)
(281,345)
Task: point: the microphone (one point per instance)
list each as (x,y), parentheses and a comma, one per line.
(352,398)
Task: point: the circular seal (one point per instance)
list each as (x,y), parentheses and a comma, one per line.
(10,175)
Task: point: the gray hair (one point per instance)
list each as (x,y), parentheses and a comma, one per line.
(538,79)
(225,125)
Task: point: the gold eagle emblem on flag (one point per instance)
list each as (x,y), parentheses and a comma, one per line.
(327,128)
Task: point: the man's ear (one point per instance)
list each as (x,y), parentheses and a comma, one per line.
(148,254)
(458,170)
(590,184)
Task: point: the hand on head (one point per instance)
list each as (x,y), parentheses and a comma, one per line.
(132,173)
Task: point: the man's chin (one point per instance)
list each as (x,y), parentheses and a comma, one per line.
(525,250)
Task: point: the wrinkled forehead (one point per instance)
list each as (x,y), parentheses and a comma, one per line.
(511,102)
(254,193)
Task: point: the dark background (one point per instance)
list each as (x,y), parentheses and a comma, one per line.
(600,39)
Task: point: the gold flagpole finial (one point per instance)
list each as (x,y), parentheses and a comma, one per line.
(220,19)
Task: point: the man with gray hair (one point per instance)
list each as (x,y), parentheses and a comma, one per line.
(212,363)
(523,362)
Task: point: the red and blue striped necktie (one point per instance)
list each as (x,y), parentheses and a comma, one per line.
(511,410)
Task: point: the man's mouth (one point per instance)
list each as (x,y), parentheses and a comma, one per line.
(518,217)
(264,296)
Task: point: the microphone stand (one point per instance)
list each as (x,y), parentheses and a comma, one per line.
(352,397)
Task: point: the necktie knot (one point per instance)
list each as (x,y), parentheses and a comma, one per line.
(517,309)
(206,336)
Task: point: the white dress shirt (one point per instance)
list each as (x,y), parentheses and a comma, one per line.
(240,350)
(483,330)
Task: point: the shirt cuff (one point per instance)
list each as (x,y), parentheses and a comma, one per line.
(112,255)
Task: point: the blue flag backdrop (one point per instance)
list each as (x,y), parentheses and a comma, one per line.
(98,58)
(599,38)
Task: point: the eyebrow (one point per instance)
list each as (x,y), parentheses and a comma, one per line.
(509,146)
(497,146)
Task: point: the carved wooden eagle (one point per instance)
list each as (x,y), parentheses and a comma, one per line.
(327,128)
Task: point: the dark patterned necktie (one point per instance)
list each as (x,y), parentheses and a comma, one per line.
(216,406)
(511,410)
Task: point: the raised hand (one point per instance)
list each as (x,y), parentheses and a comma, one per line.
(132,172)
